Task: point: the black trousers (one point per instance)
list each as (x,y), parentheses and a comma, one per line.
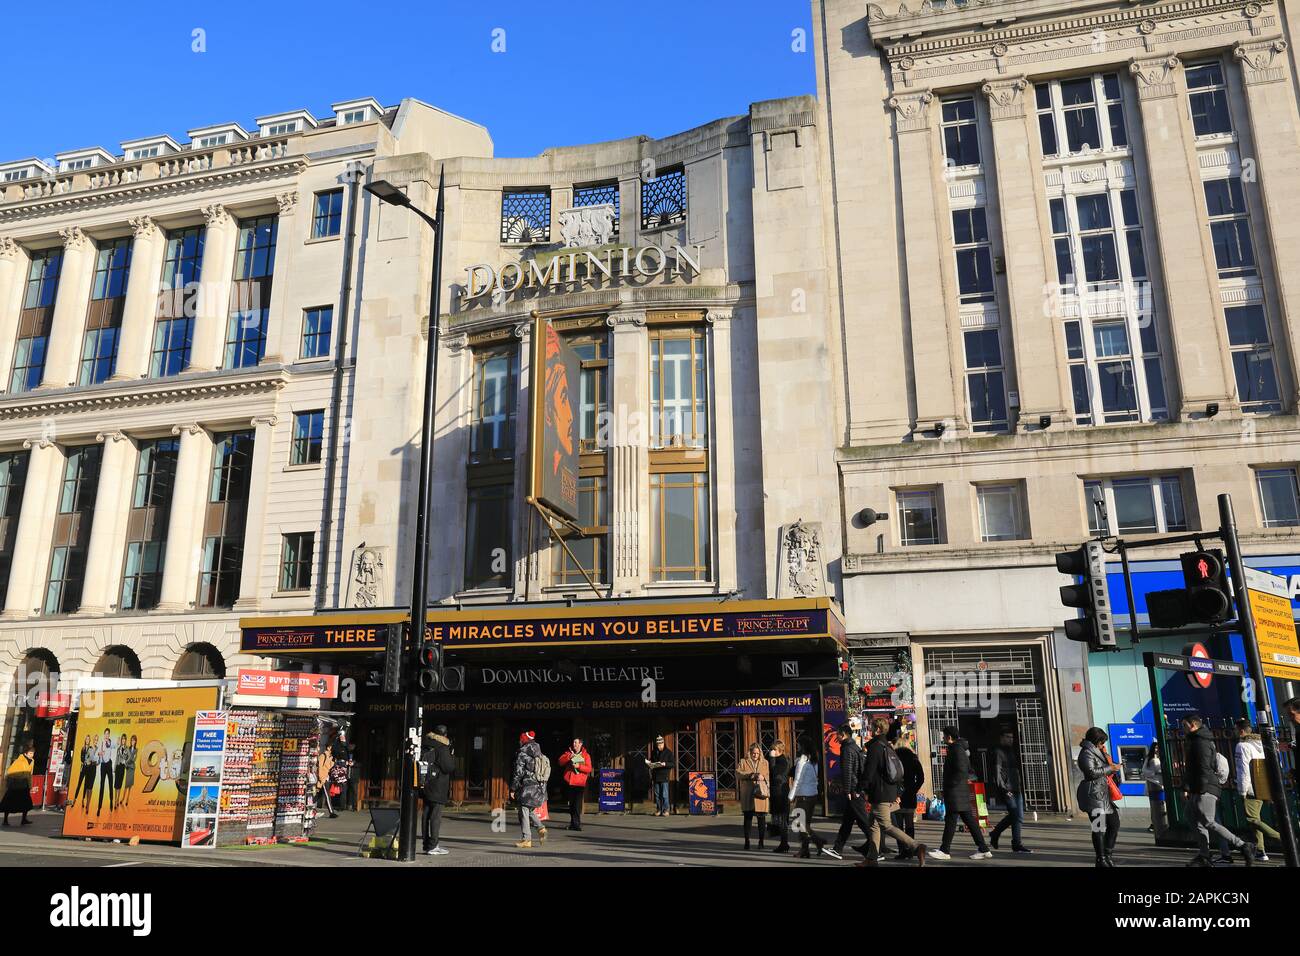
(905,820)
(575,806)
(749,824)
(808,806)
(86,780)
(855,811)
(106,780)
(950,829)
(432,823)
(1103,840)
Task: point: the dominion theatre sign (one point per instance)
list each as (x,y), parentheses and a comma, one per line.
(580,267)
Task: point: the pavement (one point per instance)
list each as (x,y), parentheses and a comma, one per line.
(478,839)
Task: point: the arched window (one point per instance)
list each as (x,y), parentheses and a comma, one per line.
(118,661)
(200,662)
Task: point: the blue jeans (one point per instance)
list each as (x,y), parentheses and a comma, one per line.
(1015,818)
(661,796)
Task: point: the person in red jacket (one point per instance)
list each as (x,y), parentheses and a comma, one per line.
(577,768)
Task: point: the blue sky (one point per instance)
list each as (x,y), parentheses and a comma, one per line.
(570,73)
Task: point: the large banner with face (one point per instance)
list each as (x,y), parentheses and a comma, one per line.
(555,373)
(130,762)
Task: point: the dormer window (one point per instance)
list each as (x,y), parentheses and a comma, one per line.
(209,141)
(149,153)
(350,112)
(281,129)
(13,175)
(353,116)
(74,164)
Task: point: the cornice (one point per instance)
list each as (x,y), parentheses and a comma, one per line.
(150,190)
(139,394)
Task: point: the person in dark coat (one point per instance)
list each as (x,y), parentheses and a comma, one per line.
(778,773)
(957,798)
(529,789)
(437,762)
(1006,781)
(18,784)
(1094,795)
(908,792)
(1203,789)
(660,763)
(855,801)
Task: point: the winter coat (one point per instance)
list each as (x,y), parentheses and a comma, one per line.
(575,777)
(750,801)
(1247,749)
(778,771)
(1198,771)
(851,766)
(528,790)
(913,778)
(437,763)
(1094,791)
(956,777)
(874,784)
(1006,771)
(665,756)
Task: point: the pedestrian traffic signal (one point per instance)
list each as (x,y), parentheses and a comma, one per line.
(1090,595)
(393,659)
(1205,599)
(430,673)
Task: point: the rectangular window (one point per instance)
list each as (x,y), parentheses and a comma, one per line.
(104,318)
(308,431)
(232,464)
(526,216)
(223,545)
(173,335)
(142,576)
(250,295)
(223,558)
(151,497)
(588,548)
(1137,505)
(918,516)
(317,330)
(961,145)
(72,527)
(489,525)
(1279,497)
(67,575)
(296,552)
(327,215)
(1085,113)
(1207,99)
(1230,228)
(663,199)
(985,382)
(13,480)
(678,389)
(679,526)
(1252,359)
(598,194)
(1001,511)
(155,473)
(36,318)
(970,236)
(492,416)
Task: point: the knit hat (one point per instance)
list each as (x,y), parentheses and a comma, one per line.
(527,737)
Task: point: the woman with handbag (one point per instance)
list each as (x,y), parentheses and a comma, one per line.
(755,791)
(18,785)
(1098,794)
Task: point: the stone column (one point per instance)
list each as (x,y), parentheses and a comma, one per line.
(68,326)
(1269,86)
(13,273)
(141,309)
(104,553)
(282,331)
(250,574)
(219,240)
(629,452)
(185,523)
(1022,203)
(1200,347)
(722,464)
(35,529)
(927,250)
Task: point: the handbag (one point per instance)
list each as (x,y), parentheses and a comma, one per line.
(1115,794)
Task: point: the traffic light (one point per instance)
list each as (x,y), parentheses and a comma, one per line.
(1205,599)
(430,673)
(1095,626)
(393,659)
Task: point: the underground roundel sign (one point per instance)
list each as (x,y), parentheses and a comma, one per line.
(1202,672)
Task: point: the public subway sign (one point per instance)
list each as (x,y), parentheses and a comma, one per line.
(579,267)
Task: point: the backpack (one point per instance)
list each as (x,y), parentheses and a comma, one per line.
(1222,769)
(892,770)
(542,768)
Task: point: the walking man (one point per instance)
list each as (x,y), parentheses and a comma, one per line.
(437,761)
(882,774)
(855,810)
(528,783)
(106,755)
(1249,749)
(957,798)
(1204,780)
(1006,778)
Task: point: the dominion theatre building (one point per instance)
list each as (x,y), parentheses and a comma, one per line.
(213,358)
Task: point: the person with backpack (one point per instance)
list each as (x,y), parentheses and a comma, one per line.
(1204,775)
(908,793)
(528,784)
(882,775)
(577,768)
(437,761)
(1249,749)
(1006,780)
(957,798)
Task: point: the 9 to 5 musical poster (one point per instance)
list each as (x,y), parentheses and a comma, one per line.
(130,762)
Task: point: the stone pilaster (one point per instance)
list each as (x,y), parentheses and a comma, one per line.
(213,304)
(142,286)
(104,553)
(722,465)
(629,461)
(185,522)
(14,264)
(1191,279)
(69,323)
(31,557)
(282,331)
(1022,204)
(255,537)
(927,247)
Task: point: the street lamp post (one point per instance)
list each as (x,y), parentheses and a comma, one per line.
(387,192)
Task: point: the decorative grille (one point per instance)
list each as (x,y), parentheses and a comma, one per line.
(663,199)
(596,196)
(526,216)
